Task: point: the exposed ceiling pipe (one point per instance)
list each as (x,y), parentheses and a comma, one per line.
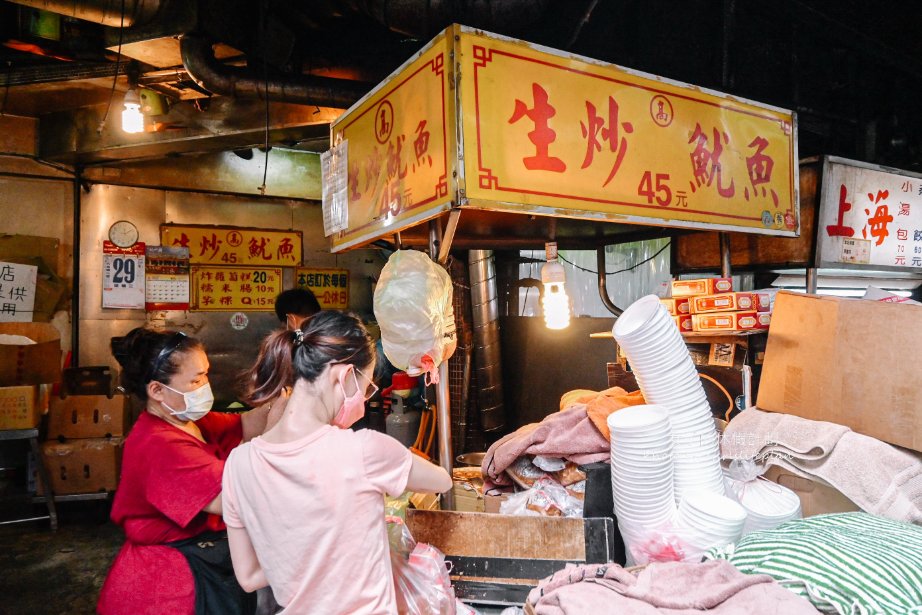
(198,58)
(603,280)
(105,12)
(423,18)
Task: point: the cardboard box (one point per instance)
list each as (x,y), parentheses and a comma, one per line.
(723,302)
(87,416)
(846,361)
(467,498)
(21,407)
(676,307)
(763,302)
(37,363)
(816,498)
(89,465)
(684,322)
(491,502)
(701,286)
(727,321)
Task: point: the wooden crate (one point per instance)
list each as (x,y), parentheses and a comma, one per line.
(498,559)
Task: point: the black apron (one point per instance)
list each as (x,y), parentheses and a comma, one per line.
(216,589)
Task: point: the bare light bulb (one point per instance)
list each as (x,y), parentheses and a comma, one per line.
(132,118)
(555,301)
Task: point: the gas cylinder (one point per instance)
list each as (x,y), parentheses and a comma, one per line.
(402,423)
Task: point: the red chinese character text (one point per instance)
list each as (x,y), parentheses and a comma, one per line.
(839,229)
(543,135)
(595,127)
(213,244)
(759,167)
(706,163)
(879,220)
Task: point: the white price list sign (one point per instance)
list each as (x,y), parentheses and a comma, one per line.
(17,292)
(123,276)
(334,169)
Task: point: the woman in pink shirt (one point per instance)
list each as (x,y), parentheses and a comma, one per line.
(303,503)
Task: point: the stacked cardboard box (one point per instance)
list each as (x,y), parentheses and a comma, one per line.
(84,448)
(712,306)
(30,359)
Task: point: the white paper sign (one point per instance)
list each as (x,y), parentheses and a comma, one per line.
(123,276)
(334,168)
(17,292)
(870,218)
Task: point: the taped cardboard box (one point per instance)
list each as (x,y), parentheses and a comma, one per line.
(87,416)
(89,465)
(38,363)
(467,498)
(816,498)
(22,407)
(846,361)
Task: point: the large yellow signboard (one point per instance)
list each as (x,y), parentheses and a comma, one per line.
(228,245)
(400,148)
(552,133)
(477,120)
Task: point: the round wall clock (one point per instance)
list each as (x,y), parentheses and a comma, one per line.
(123,233)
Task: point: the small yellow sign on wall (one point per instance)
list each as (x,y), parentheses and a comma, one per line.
(235,289)
(330,286)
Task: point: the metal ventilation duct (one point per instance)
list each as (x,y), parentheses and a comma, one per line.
(200,63)
(487,355)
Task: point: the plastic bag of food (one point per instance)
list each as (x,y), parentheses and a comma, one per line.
(421,582)
(412,304)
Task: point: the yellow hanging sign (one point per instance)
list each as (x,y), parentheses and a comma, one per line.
(548,130)
(400,148)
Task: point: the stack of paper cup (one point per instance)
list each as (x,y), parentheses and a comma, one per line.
(641,469)
(705,519)
(667,376)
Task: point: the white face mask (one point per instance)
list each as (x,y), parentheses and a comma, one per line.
(198,403)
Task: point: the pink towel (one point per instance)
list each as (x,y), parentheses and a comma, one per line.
(569,434)
(881,479)
(674,588)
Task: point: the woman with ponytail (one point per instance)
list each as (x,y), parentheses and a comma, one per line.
(304,502)
(169,496)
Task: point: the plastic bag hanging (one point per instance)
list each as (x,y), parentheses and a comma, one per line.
(413,306)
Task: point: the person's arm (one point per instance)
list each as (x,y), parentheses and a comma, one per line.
(247,569)
(254,422)
(427,477)
(214,507)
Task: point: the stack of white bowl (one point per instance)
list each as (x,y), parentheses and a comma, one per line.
(667,376)
(641,470)
(705,519)
(767,504)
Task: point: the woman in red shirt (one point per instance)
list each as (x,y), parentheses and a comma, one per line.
(170,488)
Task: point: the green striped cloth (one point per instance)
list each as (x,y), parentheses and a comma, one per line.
(849,563)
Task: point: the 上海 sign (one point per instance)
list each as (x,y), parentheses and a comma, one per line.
(870,217)
(235,289)
(214,245)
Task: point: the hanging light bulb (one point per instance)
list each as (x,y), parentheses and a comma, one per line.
(132,118)
(555,301)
